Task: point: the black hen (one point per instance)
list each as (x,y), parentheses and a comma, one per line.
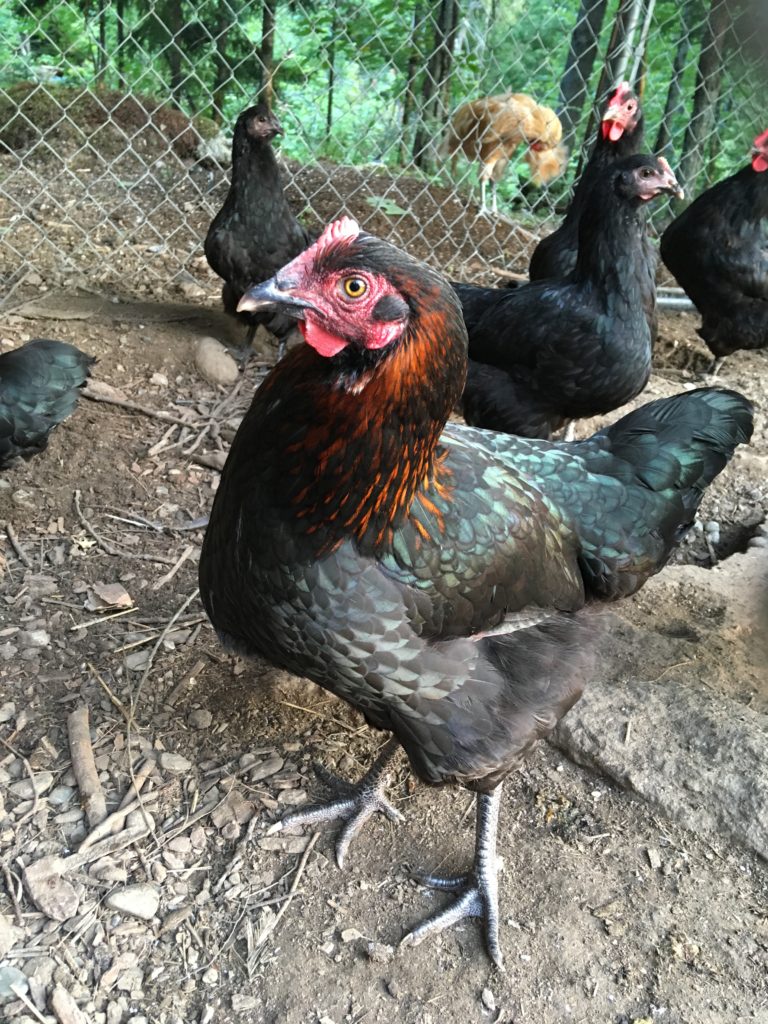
(581,345)
(718,251)
(39,387)
(619,135)
(254,233)
(433,575)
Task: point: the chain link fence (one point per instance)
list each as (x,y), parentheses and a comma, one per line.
(115,118)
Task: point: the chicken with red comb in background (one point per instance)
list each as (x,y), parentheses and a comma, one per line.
(718,251)
(436,577)
(619,135)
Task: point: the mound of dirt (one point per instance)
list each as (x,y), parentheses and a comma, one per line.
(103,118)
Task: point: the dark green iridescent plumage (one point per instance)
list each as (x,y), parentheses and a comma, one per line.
(459,622)
(39,387)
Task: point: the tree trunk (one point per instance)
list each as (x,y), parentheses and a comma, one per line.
(120,47)
(446,20)
(267,52)
(331,73)
(412,70)
(673,103)
(222,67)
(574,84)
(708,79)
(174,23)
(616,60)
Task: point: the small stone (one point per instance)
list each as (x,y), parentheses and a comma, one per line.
(24,789)
(139,900)
(242,1002)
(200,719)
(284,844)
(214,362)
(271,766)
(488,1000)
(394,989)
(159,379)
(174,763)
(350,935)
(198,838)
(210,977)
(654,858)
(292,797)
(34,638)
(24,499)
(137,661)
(9,934)
(380,953)
(65,1008)
(11,976)
(60,795)
(181,844)
(7,711)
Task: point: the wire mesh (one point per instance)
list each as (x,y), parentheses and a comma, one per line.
(114,117)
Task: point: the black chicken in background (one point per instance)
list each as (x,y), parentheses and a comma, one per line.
(434,576)
(718,251)
(619,135)
(39,387)
(255,232)
(577,346)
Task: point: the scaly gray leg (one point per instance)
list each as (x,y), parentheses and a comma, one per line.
(367,798)
(479,890)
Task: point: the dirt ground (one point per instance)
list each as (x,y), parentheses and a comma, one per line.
(610,912)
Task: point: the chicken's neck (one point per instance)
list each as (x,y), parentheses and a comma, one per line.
(348,459)
(611,250)
(254,168)
(604,154)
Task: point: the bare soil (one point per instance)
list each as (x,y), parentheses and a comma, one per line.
(610,912)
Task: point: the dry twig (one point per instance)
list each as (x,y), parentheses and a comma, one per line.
(108,548)
(84,766)
(21,554)
(96,395)
(117,817)
(291,892)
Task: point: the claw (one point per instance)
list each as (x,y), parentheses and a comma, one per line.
(366,799)
(479,896)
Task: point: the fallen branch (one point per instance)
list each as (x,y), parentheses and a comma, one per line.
(21,554)
(188,550)
(116,817)
(99,393)
(107,547)
(84,766)
(291,892)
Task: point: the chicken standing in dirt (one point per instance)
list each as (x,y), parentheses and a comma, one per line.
(434,576)
(718,251)
(490,129)
(39,387)
(619,135)
(255,232)
(577,346)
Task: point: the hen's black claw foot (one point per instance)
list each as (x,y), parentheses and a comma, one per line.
(366,799)
(478,891)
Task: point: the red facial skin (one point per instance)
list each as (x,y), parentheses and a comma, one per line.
(760,153)
(620,113)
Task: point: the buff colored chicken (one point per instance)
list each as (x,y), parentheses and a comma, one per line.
(490,129)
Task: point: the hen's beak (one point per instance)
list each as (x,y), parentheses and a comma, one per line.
(269,295)
(669,181)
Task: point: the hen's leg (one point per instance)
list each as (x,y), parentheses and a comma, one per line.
(366,798)
(479,891)
(717,365)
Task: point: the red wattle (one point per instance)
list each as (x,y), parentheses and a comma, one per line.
(759,163)
(616,131)
(322,341)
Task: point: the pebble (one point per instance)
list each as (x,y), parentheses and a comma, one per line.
(11,976)
(200,719)
(60,795)
(292,797)
(214,362)
(24,789)
(7,711)
(140,901)
(35,637)
(65,1008)
(24,499)
(8,935)
(181,844)
(174,763)
(160,379)
(488,1000)
(380,953)
(210,977)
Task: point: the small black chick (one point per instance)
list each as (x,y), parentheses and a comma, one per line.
(255,232)
(39,388)
(580,345)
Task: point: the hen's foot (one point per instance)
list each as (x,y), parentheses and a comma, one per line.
(365,799)
(479,890)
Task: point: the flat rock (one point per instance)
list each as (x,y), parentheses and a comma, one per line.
(9,934)
(11,976)
(698,756)
(214,362)
(175,763)
(65,1008)
(24,789)
(140,901)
